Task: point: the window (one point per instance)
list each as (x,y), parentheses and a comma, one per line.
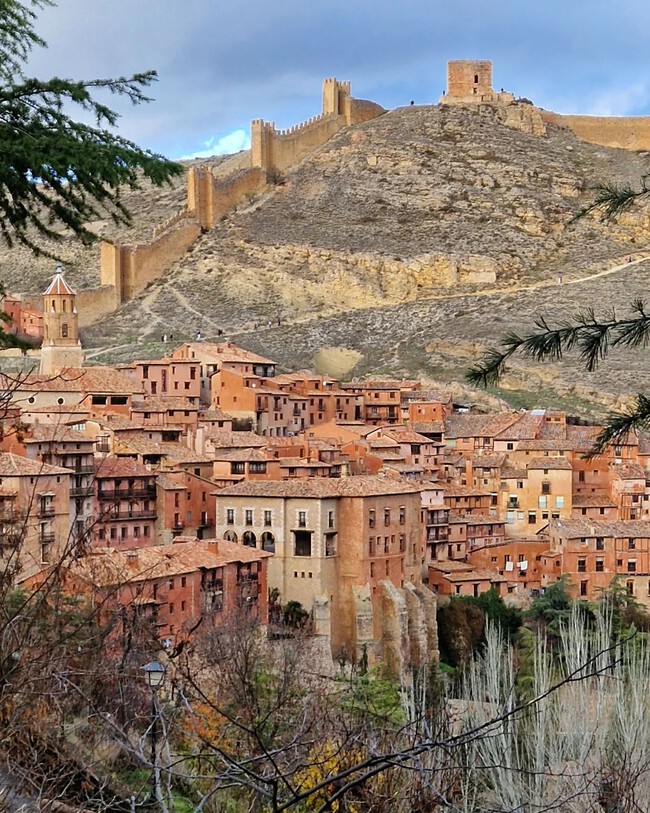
(546,487)
(402,515)
(248,516)
(582,565)
(124,532)
(238,467)
(532,517)
(600,565)
(510,446)
(386,516)
(510,517)
(402,543)
(629,586)
(581,476)
(183,581)
(257,467)
(371,518)
(631,566)
(268,518)
(113,533)
(171,608)
(600,543)
(182,606)
(330,519)
(371,546)
(631,543)
(559,502)
(542,502)
(372,570)
(302,519)
(147,530)
(583,588)
(136,531)
(302,543)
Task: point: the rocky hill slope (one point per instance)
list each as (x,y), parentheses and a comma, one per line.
(356,248)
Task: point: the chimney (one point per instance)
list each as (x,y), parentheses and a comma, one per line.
(213,546)
(132,559)
(469,472)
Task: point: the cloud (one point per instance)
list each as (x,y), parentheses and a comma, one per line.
(225,145)
(621,101)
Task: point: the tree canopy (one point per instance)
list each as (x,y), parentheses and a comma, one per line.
(59,172)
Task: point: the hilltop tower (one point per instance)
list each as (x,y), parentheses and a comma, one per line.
(469,81)
(61,346)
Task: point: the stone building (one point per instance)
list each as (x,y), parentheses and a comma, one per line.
(61,347)
(337,544)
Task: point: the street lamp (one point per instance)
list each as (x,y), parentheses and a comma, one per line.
(154,672)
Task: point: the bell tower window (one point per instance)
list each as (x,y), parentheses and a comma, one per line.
(64,330)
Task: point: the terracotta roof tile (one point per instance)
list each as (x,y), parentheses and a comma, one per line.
(322,488)
(474,425)
(557,463)
(107,567)
(120,467)
(578,528)
(13,465)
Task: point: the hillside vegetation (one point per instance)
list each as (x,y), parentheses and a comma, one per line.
(352,250)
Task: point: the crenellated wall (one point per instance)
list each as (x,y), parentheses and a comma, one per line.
(274,149)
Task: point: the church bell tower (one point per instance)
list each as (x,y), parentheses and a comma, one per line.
(61,347)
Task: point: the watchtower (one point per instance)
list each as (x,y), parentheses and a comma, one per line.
(61,346)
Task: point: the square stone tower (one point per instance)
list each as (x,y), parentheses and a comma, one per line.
(469,78)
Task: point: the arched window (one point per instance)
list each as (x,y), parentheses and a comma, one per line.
(53,305)
(64,330)
(268,542)
(230,536)
(249,539)
(476,79)
(65,305)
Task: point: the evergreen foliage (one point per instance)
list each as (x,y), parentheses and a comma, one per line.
(591,336)
(58,172)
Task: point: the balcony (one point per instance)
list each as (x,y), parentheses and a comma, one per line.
(81,491)
(128,494)
(112,515)
(46,510)
(81,469)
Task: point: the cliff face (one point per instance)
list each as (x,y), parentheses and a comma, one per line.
(412,208)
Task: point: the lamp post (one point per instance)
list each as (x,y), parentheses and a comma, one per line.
(154,672)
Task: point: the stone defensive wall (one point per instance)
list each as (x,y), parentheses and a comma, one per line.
(125,270)
(626,133)
(273,149)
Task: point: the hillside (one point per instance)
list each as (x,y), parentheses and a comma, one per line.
(355,246)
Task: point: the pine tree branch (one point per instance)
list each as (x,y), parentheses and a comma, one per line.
(610,200)
(619,425)
(591,337)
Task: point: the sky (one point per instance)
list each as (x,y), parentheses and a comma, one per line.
(221,63)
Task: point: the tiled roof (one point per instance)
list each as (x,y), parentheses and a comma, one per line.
(168,484)
(433,427)
(577,528)
(240,455)
(526,427)
(59,287)
(474,425)
(630,472)
(544,445)
(382,443)
(474,519)
(13,465)
(302,463)
(142,445)
(162,404)
(322,488)
(487,461)
(592,500)
(120,467)
(225,439)
(226,351)
(558,463)
(453,490)
(101,380)
(56,433)
(214,414)
(107,567)
(511,473)
(644,443)
(404,435)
